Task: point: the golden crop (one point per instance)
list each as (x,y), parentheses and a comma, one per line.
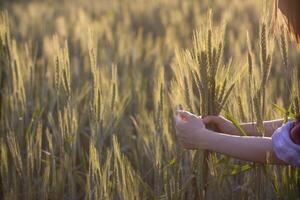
(88,91)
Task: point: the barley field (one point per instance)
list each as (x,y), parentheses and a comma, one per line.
(88,92)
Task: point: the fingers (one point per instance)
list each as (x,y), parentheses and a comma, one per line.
(210,119)
(177,119)
(179,123)
(185,115)
(185,120)
(181,118)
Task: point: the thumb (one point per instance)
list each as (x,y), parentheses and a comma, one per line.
(185,116)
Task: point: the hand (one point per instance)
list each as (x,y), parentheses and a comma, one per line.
(222,124)
(190,130)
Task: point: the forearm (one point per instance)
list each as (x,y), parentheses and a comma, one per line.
(269,126)
(255,149)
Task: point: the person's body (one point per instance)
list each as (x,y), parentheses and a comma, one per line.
(280,145)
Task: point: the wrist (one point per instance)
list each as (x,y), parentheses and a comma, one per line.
(236,131)
(204,139)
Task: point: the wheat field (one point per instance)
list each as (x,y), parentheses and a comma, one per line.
(88,92)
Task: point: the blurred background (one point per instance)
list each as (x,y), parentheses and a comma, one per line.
(89,90)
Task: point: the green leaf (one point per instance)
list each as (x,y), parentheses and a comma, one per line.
(287,113)
(170,163)
(241,168)
(282,110)
(235,123)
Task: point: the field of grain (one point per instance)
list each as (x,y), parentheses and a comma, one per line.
(88,92)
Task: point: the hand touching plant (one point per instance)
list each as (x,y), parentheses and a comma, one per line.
(191,131)
(192,134)
(222,124)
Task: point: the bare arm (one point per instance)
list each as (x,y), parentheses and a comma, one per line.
(255,149)
(225,126)
(192,134)
(270,126)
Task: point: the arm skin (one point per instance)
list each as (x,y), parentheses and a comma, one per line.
(270,126)
(225,126)
(192,134)
(249,148)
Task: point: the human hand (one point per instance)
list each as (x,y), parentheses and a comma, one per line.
(190,130)
(222,124)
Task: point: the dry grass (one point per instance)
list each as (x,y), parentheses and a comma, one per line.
(88,92)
